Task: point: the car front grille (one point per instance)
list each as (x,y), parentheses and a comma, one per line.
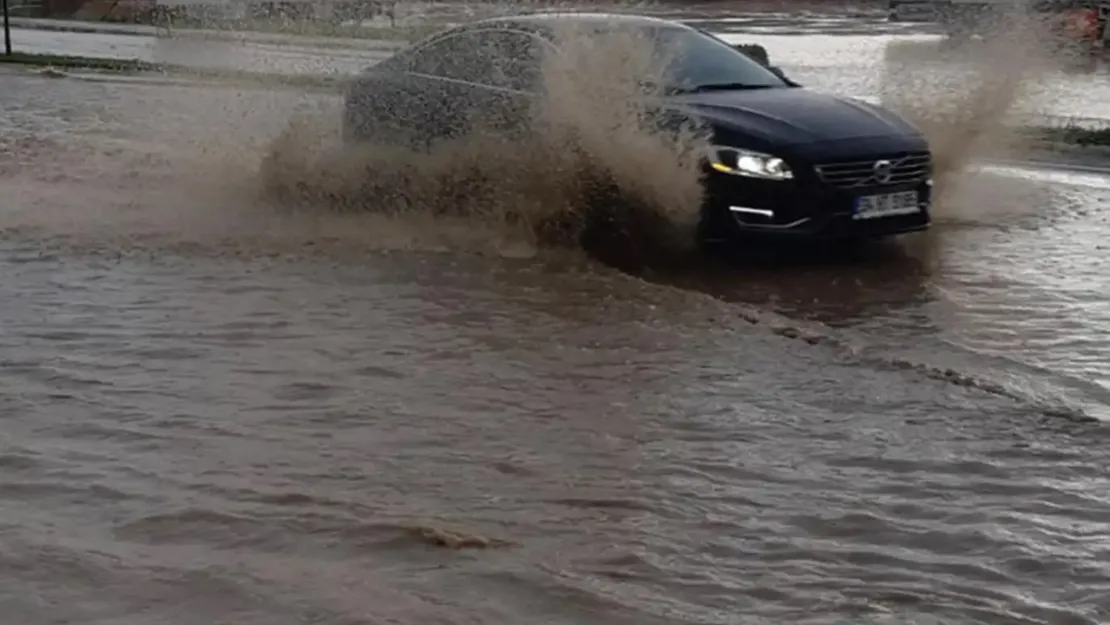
(904,168)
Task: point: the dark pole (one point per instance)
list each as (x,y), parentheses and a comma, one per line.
(7,30)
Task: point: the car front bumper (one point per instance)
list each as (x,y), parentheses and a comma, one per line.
(737,207)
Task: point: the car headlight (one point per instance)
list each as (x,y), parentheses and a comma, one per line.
(738,162)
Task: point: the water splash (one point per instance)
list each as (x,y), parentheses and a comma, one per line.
(596,166)
(964,95)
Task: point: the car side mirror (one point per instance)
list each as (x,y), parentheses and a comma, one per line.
(755,52)
(759,54)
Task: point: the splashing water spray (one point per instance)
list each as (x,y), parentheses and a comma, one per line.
(963,95)
(968,98)
(595,167)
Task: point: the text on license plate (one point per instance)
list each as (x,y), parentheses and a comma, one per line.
(886,205)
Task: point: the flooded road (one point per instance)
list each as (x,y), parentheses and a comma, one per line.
(215,412)
(856,55)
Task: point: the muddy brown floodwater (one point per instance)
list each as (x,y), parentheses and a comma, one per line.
(217,412)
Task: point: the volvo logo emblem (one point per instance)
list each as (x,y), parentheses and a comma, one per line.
(884,171)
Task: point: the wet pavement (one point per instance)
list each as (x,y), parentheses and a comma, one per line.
(217,412)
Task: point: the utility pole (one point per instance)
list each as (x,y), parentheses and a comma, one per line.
(7,30)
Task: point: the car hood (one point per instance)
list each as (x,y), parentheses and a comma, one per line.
(793,116)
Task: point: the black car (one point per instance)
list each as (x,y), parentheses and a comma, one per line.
(785,161)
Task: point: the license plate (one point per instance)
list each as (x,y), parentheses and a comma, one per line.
(886,205)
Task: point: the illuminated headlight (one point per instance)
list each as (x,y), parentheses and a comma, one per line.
(739,162)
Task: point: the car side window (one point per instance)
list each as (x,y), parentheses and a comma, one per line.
(518,59)
(464,56)
(496,58)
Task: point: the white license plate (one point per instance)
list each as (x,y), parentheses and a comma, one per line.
(886,205)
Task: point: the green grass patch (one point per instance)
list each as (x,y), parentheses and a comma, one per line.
(62,61)
(1072,135)
(274,31)
(404,33)
(137,67)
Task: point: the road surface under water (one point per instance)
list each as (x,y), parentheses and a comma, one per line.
(215,414)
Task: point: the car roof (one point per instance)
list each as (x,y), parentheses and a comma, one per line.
(545,22)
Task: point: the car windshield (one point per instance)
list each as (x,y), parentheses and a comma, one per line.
(698,61)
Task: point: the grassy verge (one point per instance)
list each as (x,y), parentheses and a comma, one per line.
(1060,136)
(400,32)
(137,67)
(279,30)
(1070,135)
(321,34)
(60,61)
(287,38)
